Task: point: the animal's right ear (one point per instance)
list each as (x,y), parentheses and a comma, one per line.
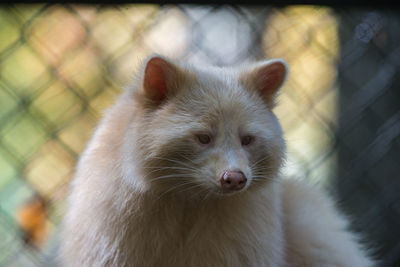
(266,78)
(159,79)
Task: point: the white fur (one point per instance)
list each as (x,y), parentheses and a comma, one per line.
(117,217)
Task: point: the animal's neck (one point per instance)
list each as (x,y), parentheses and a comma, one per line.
(236,207)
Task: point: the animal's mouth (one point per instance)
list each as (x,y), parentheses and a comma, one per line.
(220,192)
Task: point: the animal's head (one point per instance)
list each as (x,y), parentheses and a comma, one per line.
(209,130)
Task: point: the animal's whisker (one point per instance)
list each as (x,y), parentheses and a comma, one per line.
(207,195)
(174,161)
(183,156)
(170,190)
(262,177)
(260,160)
(168,168)
(204,188)
(171,176)
(196,185)
(162,169)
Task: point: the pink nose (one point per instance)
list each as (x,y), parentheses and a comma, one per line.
(233,180)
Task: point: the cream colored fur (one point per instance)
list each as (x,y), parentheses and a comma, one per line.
(120,214)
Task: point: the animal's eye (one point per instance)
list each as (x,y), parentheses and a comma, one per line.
(247,140)
(203,138)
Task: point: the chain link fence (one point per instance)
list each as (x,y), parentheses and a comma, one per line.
(62,65)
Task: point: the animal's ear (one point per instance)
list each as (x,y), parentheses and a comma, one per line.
(159,78)
(266,78)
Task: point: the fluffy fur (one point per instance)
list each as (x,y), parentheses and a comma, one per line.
(147,193)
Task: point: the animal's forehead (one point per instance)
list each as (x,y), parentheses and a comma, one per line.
(216,96)
(217,87)
(220,106)
(218,78)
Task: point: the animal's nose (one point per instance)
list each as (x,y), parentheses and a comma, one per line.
(233,180)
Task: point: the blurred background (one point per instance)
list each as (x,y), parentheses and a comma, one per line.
(62,65)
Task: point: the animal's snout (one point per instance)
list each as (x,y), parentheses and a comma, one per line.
(233,180)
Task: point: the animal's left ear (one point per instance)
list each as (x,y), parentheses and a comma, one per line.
(266,78)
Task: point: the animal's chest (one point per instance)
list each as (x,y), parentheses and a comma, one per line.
(206,236)
(210,244)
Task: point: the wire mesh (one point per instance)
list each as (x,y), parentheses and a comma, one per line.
(62,65)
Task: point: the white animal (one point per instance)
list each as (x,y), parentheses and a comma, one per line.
(184,170)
